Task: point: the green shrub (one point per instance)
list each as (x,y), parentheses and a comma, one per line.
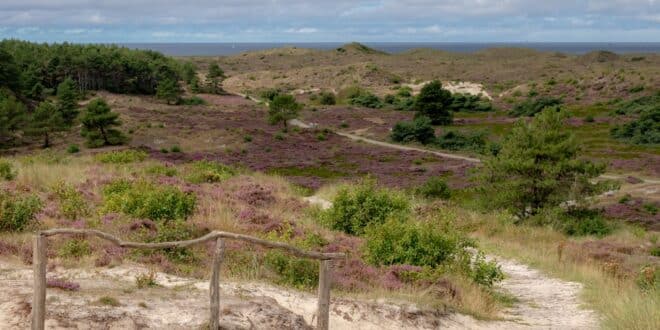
(72,204)
(355,208)
(193,100)
(415,243)
(146,280)
(484,272)
(434,187)
(210,172)
(176,230)
(470,103)
(531,107)
(109,301)
(175,149)
(73,149)
(74,248)
(453,140)
(6,170)
(121,157)
(17,212)
(327,98)
(655,251)
(419,130)
(247,138)
(162,170)
(644,130)
(300,273)
(365,99)
(145,200)
(582,222)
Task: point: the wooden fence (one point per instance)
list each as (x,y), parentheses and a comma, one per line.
(40,260)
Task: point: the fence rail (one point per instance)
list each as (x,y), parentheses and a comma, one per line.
(40,259)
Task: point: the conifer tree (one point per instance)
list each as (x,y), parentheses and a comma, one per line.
(98,125)
(67,100)
(46,121)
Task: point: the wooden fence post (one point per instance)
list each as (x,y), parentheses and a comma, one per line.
(325,281)
(39,260)
(214,322)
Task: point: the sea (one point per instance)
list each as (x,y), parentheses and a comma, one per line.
(225,49)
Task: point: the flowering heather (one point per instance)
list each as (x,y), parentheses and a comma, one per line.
(255,194)
(8,248)
(635,211)
(354,274)
(396,275)
(142,224)
(62,284)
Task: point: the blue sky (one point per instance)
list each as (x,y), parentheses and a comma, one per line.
(337,21)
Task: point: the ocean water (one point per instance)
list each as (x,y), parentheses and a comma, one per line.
(223,49)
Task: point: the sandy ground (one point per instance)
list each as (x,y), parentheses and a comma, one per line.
(463,87)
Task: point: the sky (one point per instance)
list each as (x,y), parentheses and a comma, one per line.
(125,21)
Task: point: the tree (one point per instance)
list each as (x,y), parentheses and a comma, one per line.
(434,102)
(12,118)
(194,85)
(189,72)
(169,90)
(45,121)
(67,100)
(8,70)
(215,71)
(214,79)
(419,129)
(98,122)
(539,166)
(283,108)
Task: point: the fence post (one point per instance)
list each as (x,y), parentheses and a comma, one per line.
(325,281)
(39,261)
(214,322)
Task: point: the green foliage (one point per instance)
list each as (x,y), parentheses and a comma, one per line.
(46,121)
(531,107)
(98,125)
(74,248)
(72,203)
(639,105)
(327,98)
(415,243)
(176,230)
(215,71)
(484,272)
(109,301)
(644,130)
(145,200)
(146,280)
(469,103)
(73,149)
(365,99)
(6,170)
(434,102)
(210,172)
(300,273)
(189,72)
(649,278)
(193,100)
(581,222)
(419,130)
(162,170)
(121,156)
(270,94)
(67,100)
(453,140)
(283,108)
(12,118)
(169,91)
(175,149)
(538,166)
(357,207)
(17,212)
(434,187)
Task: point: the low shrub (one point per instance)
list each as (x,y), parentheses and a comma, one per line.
(6,170)
(415,243)
(470,103)
(162,170)
(453,140)
(357,207)
(72,204)
(484,272)
(575,221)
(175,149)
(531,107)
(300,273)
(145,200)
(109,301)
(210,172)
(419,130)
(193,100)
(434,187)
(146,280)
(121,157)
(73,149)
(17,213)
(74,248)
(327,98)
(644,130)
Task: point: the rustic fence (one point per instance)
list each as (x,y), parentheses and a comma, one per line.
(40,260)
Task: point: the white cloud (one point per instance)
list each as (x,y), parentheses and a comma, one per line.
(302,30)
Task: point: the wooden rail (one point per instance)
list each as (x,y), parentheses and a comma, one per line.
(40,260)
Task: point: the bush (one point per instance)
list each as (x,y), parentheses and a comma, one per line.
(162,170)
(193,100)
(470,103)
(6,170)
(327,98)
(531,107)
(582,222)
(300,273)
(146,280)
(419,129)
(365,99)
(463,141)
(210,172)
(645,130)
(73,149)
(435,187)
(484,272)
(176,230)
(109,301)
(74,248)
(145,200)
(355,208)
(121,157)
(175,149)
(412,243)
(17,212)
(71,202)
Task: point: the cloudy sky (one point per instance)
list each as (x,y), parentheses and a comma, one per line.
(331,20)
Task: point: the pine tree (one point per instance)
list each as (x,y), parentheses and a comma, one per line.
(283,108)
(67,100)
(215,71)
(189,72)
(434,102)
(12,119)
(169,90)
(98,122)
(46,121)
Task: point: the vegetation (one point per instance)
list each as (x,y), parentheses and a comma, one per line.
(169,91)
(45,122)
(434,187)
(148,201)
(12,118)
(454,140)
(538,166)
(469,103)
(209,172)
(644,130)
(434,102)
(283,108)
(6,170)
(531,107)
(98,125)
(67,100)
(419,130)
(17,212)
(121,157)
